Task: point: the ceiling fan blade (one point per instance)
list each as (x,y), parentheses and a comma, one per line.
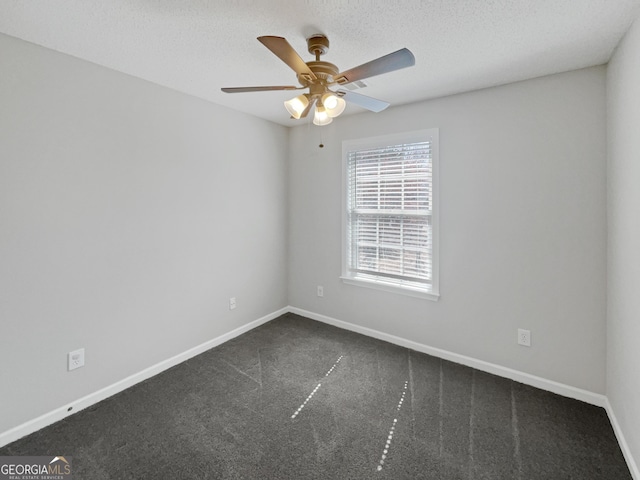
(285,52)
(258,89)
(372,104)
(394,61)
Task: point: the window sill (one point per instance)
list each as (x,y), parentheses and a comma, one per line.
(411,292)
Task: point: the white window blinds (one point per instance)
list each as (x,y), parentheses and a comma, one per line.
(389,224)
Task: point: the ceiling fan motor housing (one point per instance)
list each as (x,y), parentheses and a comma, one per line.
(324,71)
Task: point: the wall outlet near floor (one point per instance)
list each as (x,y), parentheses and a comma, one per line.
(232,303)
(524,337)
(75,359)
(320,291)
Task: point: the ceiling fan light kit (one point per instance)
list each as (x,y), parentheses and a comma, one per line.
(320,76)
(321,117)
(296,105)
(333,104)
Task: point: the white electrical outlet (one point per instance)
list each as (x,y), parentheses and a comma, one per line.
(524,337)
(75,359)
(232,303)
(320,291)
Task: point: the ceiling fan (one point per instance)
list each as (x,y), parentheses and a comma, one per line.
(320,77)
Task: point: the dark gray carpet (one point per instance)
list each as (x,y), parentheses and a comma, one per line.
(377,411)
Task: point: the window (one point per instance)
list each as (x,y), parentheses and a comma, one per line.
(390,238)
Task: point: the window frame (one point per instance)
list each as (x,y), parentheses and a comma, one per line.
(431,135)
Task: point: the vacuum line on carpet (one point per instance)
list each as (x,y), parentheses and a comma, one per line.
(516,434)
(471,424)
(440,411)
(297,412)
(385,451)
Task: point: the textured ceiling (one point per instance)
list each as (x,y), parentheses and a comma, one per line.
(199,46)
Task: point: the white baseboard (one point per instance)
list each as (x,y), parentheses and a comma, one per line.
(622,441)
(95,397)
(521,377)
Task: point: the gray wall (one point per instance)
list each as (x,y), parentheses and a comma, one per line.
(623,260)
(523,226)
(129,214)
